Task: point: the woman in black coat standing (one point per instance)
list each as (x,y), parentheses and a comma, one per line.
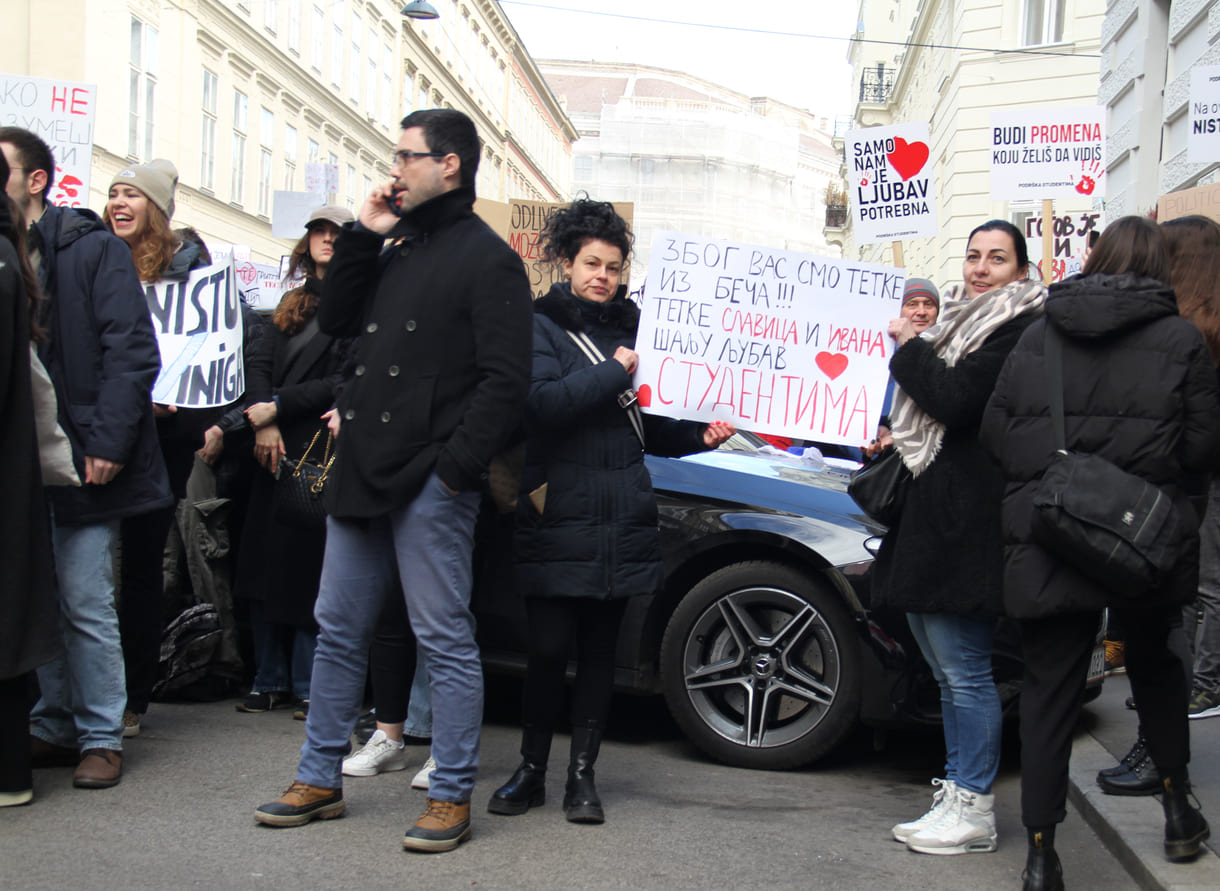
(941,562)
(1139,389)
(586,525)
(292,380)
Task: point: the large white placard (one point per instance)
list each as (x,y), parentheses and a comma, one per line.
(774,341)
(891,183)
(61,112)
(199,331)
(290,212)
(1048,153)
(1203,142)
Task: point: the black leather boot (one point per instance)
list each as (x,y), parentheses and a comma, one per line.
(1142,778)
(1138,751)
(526,788)
(581,803)
(1185,828)
(1043,871)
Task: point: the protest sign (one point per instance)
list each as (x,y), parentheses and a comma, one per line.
(1202,200)
(290,212)
(1203,140)
(1048,153)
(1070,237)
(199,332)
(774,341)
(892,196)
(322,179)
(61,112)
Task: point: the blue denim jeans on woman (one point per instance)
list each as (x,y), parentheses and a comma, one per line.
(958,649)
(84,691)
(431,540)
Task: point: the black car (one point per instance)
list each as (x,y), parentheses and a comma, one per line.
(762,640)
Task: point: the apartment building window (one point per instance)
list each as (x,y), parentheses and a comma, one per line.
(336,46)
(294,25)
(1043,22)
(354,61)
(237,184)
(350,182)
(387,65)
(408,92)
(423,94)
(313,151)
(370,73)
(264,182)
(317,39)
(290,156)
(270,8)
(142,89)
(207,155)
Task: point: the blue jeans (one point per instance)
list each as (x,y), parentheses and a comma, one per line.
(958,649)
(84,691)
(419,705)
(431,540)
(283,653)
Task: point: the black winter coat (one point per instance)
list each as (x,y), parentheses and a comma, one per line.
(281,565)
(442,366)
(597,534)
(102,355)
(944,555)
(1139,390)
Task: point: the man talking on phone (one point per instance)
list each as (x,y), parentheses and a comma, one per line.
(441,373)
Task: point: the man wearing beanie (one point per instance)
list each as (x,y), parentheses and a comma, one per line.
(101,354)
(920,303)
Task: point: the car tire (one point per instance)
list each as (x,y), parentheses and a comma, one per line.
(760,666)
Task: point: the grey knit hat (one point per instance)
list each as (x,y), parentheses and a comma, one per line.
(157,180)
(920,287)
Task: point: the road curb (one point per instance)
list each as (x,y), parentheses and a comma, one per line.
(1133,828)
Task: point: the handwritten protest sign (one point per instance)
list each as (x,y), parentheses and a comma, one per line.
(1202,200)
(1069,240)
(892,196)
(61,112)
(1203,141)
(322,179)
(1048,153)
(775,341)
(199,331)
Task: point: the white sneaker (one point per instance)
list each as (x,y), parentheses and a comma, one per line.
(940,801)
(379,755)
(424,777)
(967,826)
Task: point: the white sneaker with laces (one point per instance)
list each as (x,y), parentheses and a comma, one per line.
(967,826)
(424,777)
(940,801)
(379,755)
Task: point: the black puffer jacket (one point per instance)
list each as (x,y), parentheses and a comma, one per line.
(1139,390)
(597,534)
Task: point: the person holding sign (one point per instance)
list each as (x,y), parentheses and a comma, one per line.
(586,534)
(292,379)
(941,563)
(1138,390)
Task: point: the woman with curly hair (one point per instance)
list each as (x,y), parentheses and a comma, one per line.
(586,533)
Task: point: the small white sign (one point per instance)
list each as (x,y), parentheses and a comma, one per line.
(322,179)
(1203,142)
(891,183)
(290,212)
(1048,153)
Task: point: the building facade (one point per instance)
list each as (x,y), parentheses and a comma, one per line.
(696,157)
(242,94)
(952,63)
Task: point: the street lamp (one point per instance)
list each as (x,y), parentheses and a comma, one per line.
(420,9)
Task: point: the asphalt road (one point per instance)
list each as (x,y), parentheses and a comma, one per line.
(182,818)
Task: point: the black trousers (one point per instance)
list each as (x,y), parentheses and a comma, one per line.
(15,770)
(392,660)
(1056,651)
(142,600)
(555,623)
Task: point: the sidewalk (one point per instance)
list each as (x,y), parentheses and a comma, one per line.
(1133,828)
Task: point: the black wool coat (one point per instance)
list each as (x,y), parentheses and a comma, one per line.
(596,534)
(944,554)
(442,365)
(29,617)
(102,356)
(1139,390)
(279,564)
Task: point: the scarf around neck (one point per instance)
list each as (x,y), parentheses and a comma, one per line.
(962,327)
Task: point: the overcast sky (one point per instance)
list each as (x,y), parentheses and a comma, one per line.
(788,65)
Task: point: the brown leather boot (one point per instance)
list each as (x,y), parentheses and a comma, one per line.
(98,769)
(300,804)
(443,826)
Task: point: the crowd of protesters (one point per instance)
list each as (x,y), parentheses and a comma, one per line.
(415,397)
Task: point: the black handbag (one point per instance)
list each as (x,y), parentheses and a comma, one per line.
(879,488)
(299,486)
(1118,529)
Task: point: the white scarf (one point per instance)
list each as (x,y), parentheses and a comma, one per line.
(961,328)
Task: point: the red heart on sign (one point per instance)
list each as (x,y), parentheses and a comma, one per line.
(832,364)
(644,394)
(908,159)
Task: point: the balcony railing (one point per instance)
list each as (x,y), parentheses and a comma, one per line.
(876,84)
(836,216)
